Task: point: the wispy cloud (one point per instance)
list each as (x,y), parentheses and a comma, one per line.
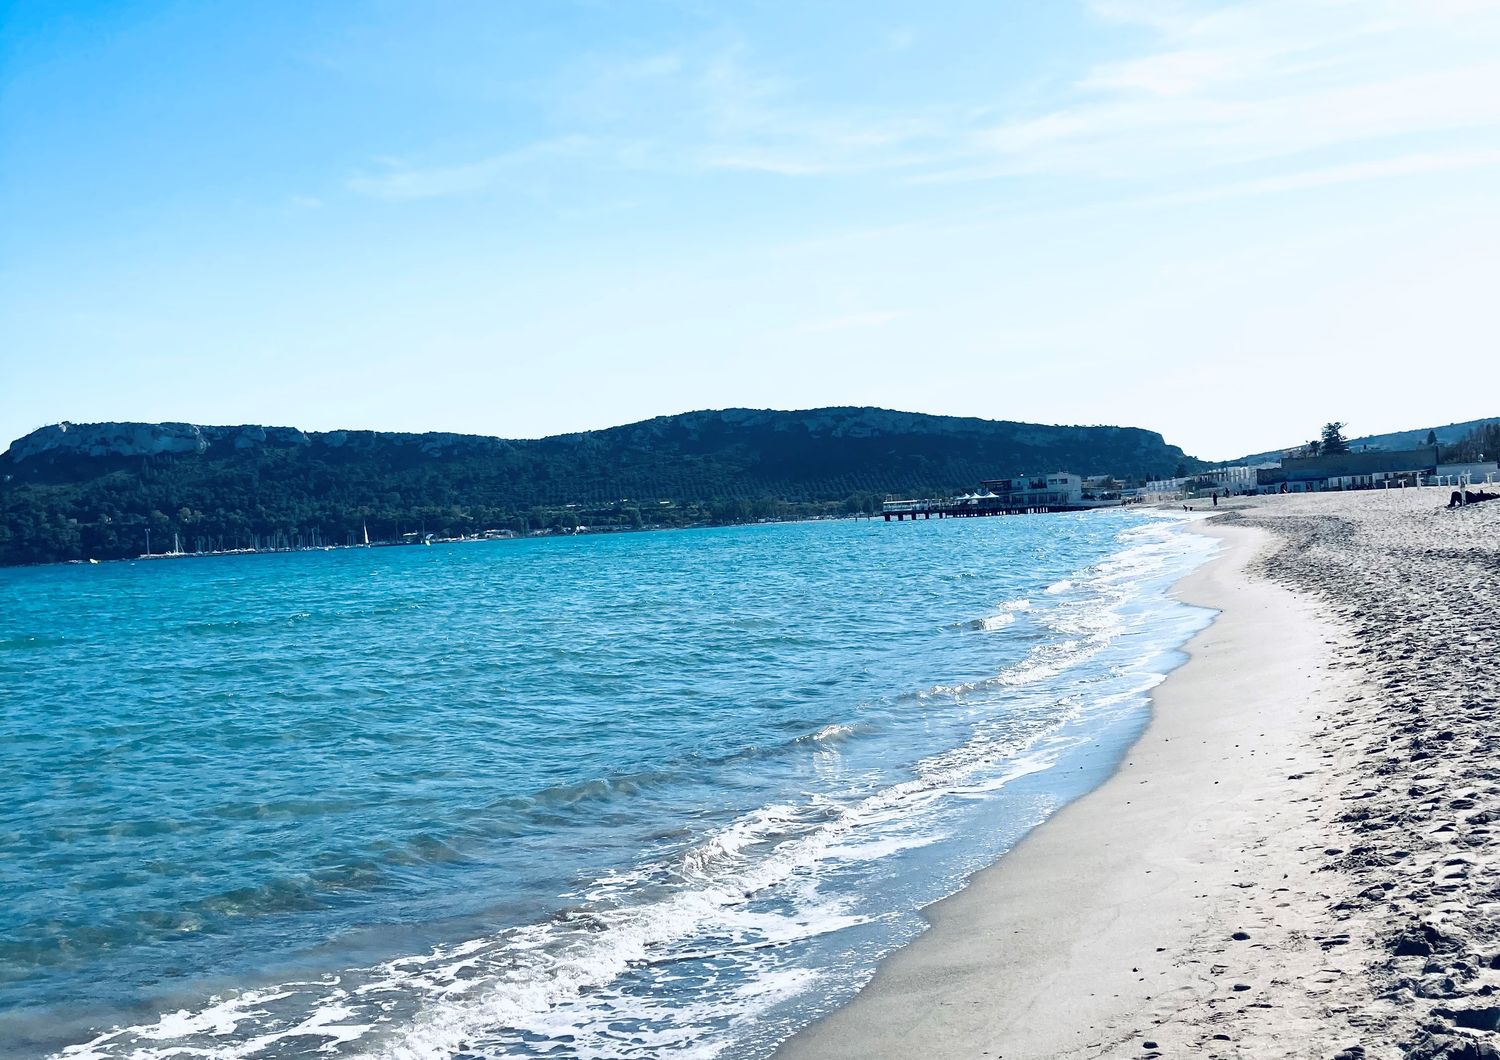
(1330,176)
(397,180)
(1227,85)
(1214,86)
(1196,133)
(851,321)
(1196,89)
(901,39)
(756,122)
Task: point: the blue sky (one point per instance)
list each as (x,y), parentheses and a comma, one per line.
(1228,222)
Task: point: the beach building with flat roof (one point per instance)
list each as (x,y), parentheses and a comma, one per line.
(1059,491)
(1368,469)
(1471,474)
(1236,478)
(1059,487)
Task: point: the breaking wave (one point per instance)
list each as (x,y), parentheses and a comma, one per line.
(742,888)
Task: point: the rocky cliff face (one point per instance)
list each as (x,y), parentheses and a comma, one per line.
(145,439)
(155,439)
(64,440)
(853,439)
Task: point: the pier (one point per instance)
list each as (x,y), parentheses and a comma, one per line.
(1027,495)
(958,508)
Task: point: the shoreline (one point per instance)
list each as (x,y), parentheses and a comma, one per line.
(530,535)
(1175,899)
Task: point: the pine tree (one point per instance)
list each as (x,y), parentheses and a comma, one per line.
(1333,439)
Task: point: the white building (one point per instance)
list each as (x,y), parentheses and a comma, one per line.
(1462,475)
(1059,487)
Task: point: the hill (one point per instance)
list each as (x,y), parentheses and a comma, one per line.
(74,491)
(1447,434)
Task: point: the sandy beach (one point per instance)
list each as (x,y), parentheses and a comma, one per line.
(1295,860)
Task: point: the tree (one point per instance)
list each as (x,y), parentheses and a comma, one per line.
(1431,438)
(1472,447)
(708,466)
(1333,439)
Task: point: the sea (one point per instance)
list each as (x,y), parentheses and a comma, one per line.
(663,794)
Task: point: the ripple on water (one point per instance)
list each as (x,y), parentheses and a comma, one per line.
(604,796)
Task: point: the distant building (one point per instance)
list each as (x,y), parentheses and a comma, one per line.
(1058,488)
(1163,487)
(1478,474)
(1344,471)
(1059,491)
(1239,478)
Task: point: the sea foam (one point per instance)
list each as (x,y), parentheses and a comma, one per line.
(745,817)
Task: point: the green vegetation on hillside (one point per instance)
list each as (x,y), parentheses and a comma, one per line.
(1480,444)
(248,487)
(1446,435)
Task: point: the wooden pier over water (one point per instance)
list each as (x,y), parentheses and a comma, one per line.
(1058,491)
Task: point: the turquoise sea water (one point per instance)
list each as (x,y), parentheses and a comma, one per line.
(668,794)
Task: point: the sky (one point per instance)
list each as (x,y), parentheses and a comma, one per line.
(1229,222)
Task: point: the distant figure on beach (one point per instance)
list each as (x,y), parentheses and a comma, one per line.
(1216,498)
(1471,497)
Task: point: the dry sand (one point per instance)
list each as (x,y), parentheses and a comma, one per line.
(1295,860)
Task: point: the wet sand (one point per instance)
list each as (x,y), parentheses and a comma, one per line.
(1295,860)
